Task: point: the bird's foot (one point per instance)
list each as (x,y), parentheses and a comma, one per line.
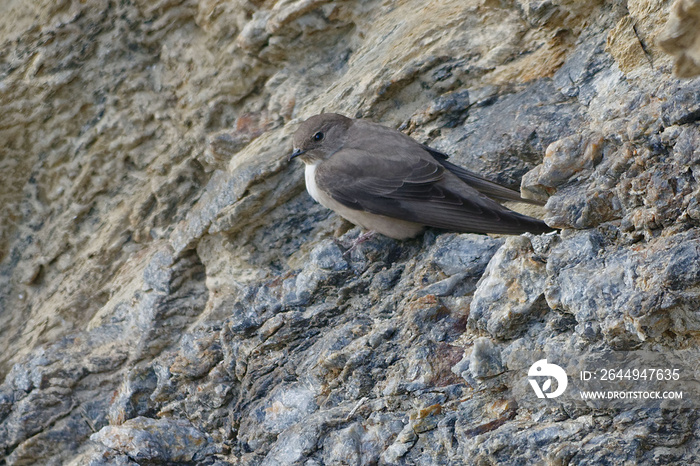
(359,240)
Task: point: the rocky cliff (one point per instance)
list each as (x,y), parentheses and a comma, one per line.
(169,293)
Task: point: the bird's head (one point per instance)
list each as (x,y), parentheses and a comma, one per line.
(319,137)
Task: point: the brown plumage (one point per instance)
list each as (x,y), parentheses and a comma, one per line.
(382,180)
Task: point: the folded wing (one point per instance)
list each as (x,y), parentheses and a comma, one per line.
(491,189)
(408,183)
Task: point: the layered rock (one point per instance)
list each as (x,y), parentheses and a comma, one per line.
(169,292)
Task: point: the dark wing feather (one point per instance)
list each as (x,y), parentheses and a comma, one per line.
(405,182)
(491,189)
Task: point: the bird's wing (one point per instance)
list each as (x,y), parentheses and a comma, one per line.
(407,183)
(491,189)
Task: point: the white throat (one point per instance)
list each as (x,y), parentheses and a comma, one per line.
(310,176)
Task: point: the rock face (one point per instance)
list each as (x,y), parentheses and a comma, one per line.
(170,294)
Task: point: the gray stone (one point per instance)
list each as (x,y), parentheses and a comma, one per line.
(485,359)
(637,290)
(511,291)
(465,254)
(145,439)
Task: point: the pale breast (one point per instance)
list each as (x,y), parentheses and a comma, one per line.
(388,226)
(311,187)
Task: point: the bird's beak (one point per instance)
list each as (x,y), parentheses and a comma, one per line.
(296,153)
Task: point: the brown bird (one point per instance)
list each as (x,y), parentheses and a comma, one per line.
(382,180)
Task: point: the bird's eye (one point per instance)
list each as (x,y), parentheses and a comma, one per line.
(318,136)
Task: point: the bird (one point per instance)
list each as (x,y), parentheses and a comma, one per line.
(384,181)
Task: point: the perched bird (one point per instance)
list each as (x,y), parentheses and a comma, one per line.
(382,180)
